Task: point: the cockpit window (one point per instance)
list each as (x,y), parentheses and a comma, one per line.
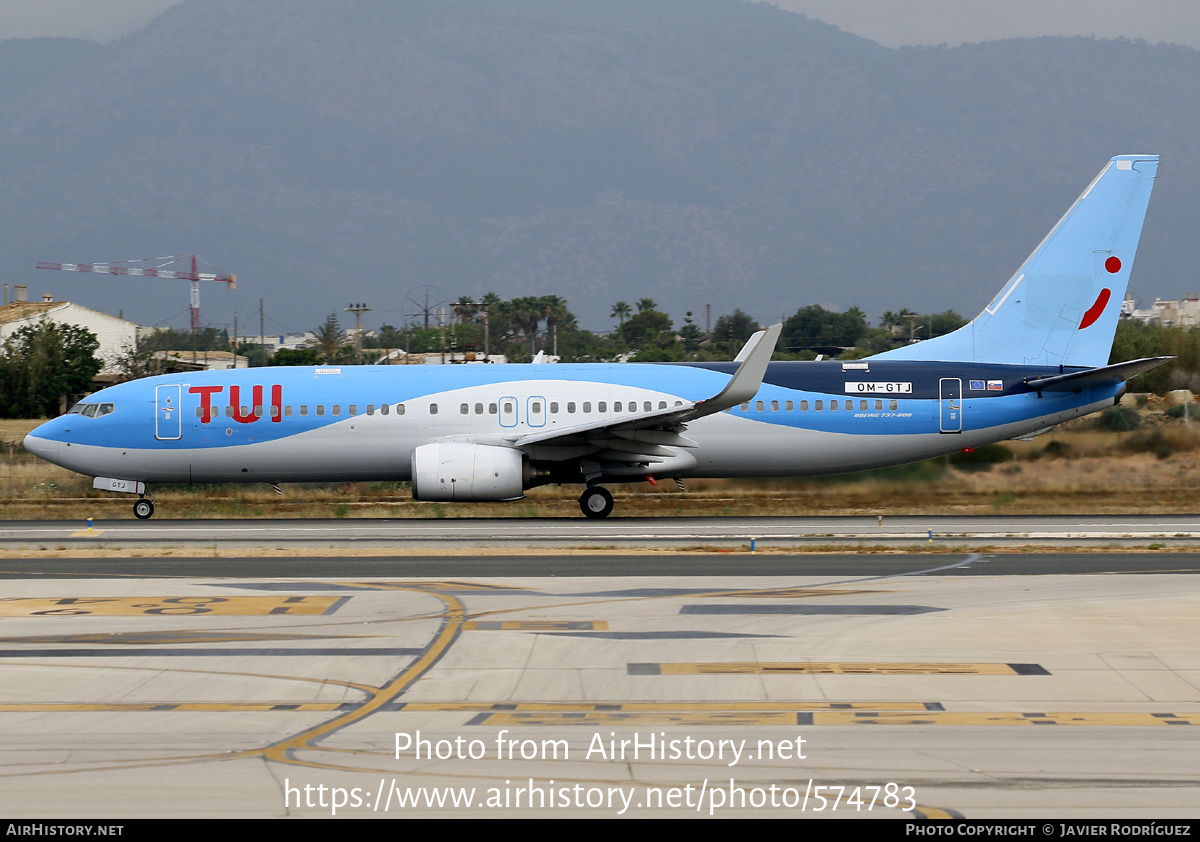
(91,410)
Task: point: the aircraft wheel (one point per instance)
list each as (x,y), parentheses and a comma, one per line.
(596,502)
(143,509)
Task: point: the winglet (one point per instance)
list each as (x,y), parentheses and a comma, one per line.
(744,384)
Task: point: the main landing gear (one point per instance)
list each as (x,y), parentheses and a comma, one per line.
(596,502)
(143,509)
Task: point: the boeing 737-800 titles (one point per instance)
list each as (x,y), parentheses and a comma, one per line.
(1036,356)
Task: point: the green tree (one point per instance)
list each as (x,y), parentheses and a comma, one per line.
(329,339)
(621,311)
(300,356)
(733,330)
(43,365)
(814,327)
(169,339)
(648,328)
(690,334)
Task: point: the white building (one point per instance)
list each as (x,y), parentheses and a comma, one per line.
(117,336)
(1169,313)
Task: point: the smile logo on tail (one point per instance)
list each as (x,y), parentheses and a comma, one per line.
(1096,309)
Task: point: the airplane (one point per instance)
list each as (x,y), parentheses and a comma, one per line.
(1036,356)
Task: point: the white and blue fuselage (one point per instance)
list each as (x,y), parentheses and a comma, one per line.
(360,423)
(1036,356)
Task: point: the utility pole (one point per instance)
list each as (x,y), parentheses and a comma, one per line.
(358,310)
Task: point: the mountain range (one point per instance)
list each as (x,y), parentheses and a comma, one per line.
(700,152)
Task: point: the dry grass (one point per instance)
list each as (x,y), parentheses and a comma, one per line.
(1153,470)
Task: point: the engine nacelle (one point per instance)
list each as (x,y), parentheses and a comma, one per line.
(465,472)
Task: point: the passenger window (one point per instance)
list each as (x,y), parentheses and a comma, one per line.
(587,406)
(320,409)
(602,406)
(804,406)
(536,407)
(399,409)
(353,409)
(662,404)
(287,411)
(383,409)
(303,410)
(849,406)
(199,412)
(258,411)
(370,409)
(464,409)
(746,406)
(617,406)
(862,405)
(879,404)
(337,409)
(229,412)
(833,405)
(894,406)
(820,405)
(774,406)
(433,409)
(789,406)
(491,409)
(508,408)
(570,406)
(647,406)
(245,411)
(554,407)
(274,411)
(759,406)
(479,409)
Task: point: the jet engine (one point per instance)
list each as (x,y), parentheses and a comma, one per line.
(466,472)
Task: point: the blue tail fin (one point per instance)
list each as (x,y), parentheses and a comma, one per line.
(1062,305)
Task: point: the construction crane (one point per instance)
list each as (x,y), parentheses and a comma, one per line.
(119,267)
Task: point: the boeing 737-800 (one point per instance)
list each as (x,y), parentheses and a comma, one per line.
(1036,356)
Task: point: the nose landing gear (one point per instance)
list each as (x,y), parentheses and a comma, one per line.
(143,509)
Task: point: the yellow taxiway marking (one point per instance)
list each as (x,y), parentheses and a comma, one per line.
(819,668)
(608,707)
(1004,718)
(827,717)
(604,718)
(170,606)
(144,707)
(536,625)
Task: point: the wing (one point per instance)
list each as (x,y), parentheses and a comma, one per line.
(647,437)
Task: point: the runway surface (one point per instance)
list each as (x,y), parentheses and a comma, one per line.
(980,685)
(999,530)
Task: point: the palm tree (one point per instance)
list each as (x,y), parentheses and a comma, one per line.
(328,339)
(621,311)
(645,304)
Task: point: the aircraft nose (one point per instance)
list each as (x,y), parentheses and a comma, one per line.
(43,448)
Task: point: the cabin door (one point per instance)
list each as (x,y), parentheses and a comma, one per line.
(951,404)
(168,420)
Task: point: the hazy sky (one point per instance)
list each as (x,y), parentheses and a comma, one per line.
(890,22)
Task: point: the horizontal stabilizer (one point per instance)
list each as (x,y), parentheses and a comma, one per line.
(1094,378)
